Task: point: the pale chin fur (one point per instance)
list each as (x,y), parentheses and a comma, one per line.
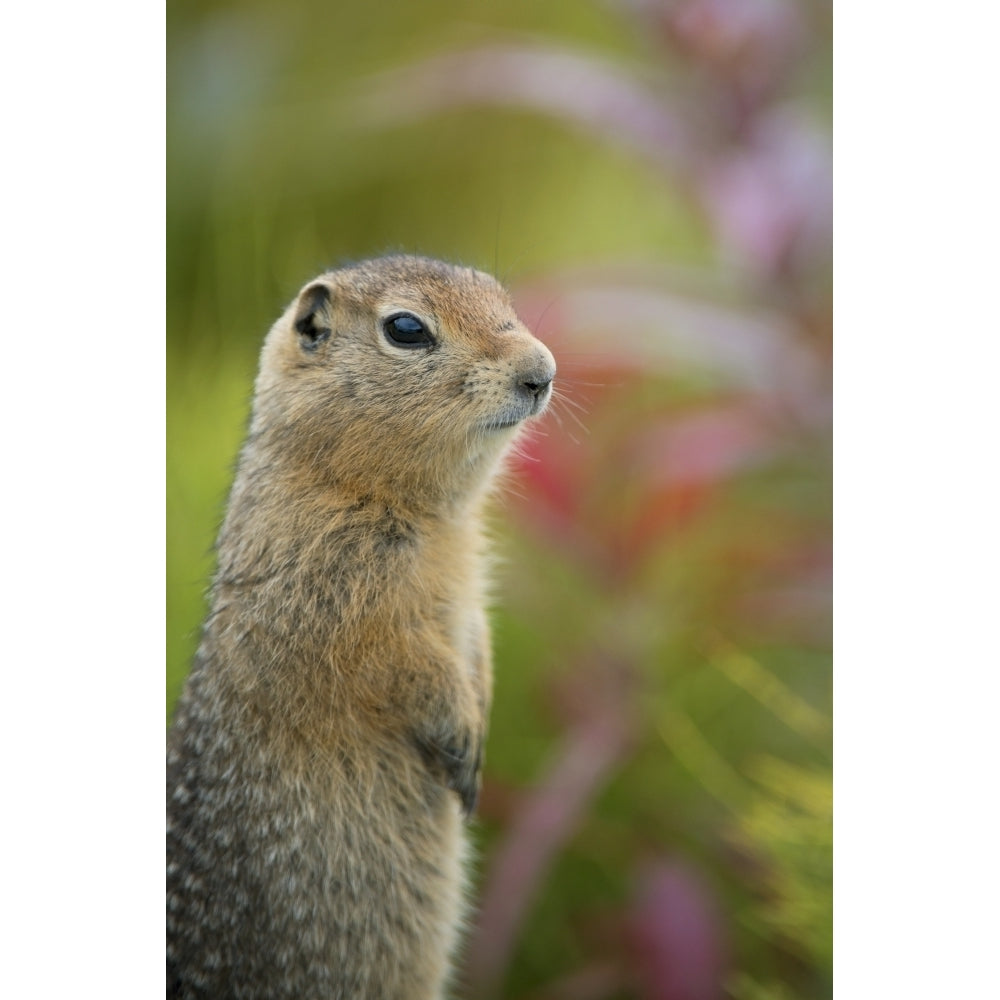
(493,442)
(513,417)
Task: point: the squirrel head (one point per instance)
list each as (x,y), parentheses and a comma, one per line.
(399,374)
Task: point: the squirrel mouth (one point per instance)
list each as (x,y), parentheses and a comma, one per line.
(502,424)
(530,404)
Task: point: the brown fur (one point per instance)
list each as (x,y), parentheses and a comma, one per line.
(331,729)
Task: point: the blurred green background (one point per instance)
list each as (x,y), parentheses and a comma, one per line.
(652,181)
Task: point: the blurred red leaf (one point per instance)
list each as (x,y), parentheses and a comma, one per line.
(671,470)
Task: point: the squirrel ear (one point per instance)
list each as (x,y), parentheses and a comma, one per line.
(312,316)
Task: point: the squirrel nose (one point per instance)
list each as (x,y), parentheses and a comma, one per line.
(535,385)
(534,381)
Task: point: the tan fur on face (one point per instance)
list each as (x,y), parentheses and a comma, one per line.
(332,726)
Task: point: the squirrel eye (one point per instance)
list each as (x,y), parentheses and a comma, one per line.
(405,330)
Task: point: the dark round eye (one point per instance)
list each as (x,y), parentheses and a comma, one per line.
(405,330)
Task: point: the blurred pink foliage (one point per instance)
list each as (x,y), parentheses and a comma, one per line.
(757,163)
(770,201)
(544,818)
(677,934)
(714,110)
(589,92)
(747,48)
(611,328)
(631,321)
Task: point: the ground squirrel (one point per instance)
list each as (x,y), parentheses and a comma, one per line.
(329,738)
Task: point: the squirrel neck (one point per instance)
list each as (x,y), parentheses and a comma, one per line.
(317,464)
(306,563)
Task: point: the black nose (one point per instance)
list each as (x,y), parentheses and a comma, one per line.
(535,385)
(533,382)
